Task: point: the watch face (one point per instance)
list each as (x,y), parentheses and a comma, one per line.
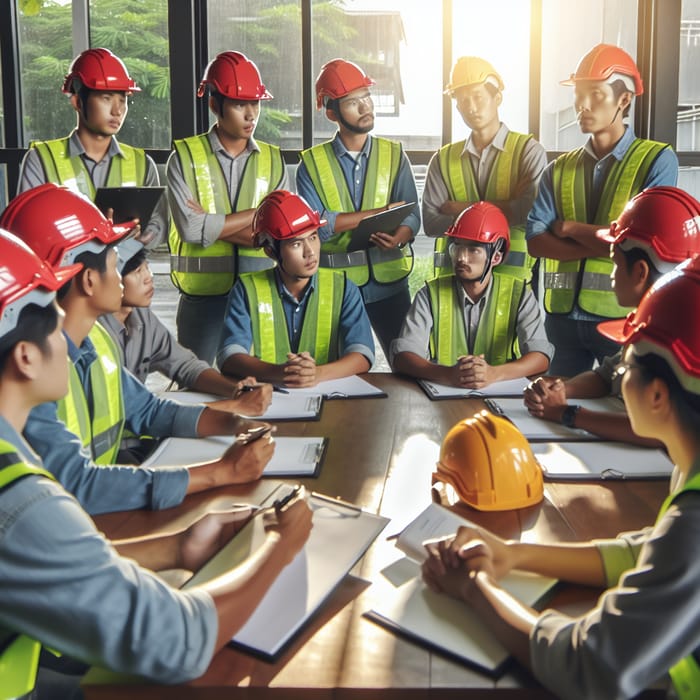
(569,416)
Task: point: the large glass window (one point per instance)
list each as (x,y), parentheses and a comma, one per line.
(268,32)
(478,29)
(137,32)
(689,78)
(569,30)
(399,44)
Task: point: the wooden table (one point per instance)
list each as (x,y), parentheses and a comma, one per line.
(381,454)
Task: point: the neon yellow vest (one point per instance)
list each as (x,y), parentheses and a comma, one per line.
(383,164)
(99,430)
(128,170)
(211,271)
(458,176)
(496,335)
(685,675)
(319,332)
(587,282)
(19,660)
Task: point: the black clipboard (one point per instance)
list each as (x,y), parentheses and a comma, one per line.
(387,221)
(129,203)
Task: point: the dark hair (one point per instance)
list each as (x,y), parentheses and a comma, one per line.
(687,403)
(219,99)
(34,325)
(91,261)
(619,88)
(633,255)
(333,103)
(134,262)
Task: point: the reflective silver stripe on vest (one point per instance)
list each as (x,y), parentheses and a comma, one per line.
(180,263)
(596,281)
(560,280)
(105,440)
(515,258)
(251,263)
(441,260)
(339,260)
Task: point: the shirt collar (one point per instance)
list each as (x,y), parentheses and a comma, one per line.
(216,144)
(286,294)
(86,352)
(498,142)
(9,434)
(620,149)
(76,148)
(466,300)
(340,150)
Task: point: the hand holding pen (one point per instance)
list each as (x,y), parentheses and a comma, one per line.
(249,454)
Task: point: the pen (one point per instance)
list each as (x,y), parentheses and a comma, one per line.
(282,502)
(279,389)
(254,434)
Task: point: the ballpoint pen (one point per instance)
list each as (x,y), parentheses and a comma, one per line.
(254,434)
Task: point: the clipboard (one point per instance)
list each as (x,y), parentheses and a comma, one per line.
(387,221)
(440,392)
(129,203)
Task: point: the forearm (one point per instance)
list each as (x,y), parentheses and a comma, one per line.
(241,365)
(214,422)
(587,385)
(529,365)
(547,245)
(414,365)
(238,228)
(349,220)
(352,363)
(156,553)
(211,381)
(611,426)
(575,563)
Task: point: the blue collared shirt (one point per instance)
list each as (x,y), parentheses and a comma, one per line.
(104,489)
(355,171)
(355,331)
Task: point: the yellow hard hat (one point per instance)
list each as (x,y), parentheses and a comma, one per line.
(490,464)
(472,70)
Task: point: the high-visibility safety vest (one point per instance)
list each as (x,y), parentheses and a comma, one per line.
(587,282)
(496,335)
(320,329)
(383,165)
(685,675)
(100,430)
(19,656)
(458,176)
(211,271)
(127,170)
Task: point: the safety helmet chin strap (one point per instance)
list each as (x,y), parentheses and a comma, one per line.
(491,250)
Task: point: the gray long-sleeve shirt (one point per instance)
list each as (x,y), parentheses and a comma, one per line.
(64,585)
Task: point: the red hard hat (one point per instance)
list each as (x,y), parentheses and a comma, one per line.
(662,323)
(25,279)
(606,62)
(58,224)
(339,78)
(482,222)
(235,76)
(283,215)
(99,69)
(663,221)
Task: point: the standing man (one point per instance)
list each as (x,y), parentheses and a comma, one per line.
(90,157)
(494,164)
(583,191)
(215,182)
(355,175)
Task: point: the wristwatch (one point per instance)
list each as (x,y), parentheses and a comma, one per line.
(568,418)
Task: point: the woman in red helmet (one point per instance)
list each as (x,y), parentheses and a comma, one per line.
(648,623)
(90,157)
(295,324)
(473,327)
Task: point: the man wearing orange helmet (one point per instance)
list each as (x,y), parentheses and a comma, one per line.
(104,398)
(474,327)
(295,324)
(494,164)
(91,157)
(351,177)
(215,182)
(646,626)
(582,192)
(658,229)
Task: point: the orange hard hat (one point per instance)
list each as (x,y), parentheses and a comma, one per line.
(662,323)
(607,62)
(58,224)
(472,70)
(283,215)
(25,279)
(482,222)
(339,78)
(235,76)
(490,464)
(99,69)
(663,221)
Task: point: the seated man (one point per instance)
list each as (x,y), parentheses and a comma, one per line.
(657,230)
(294,324)
(474,327)
(63,227)
(146,345)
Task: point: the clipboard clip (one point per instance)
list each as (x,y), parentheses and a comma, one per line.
(336,395)
(343,508)
(494,407)
(610,473)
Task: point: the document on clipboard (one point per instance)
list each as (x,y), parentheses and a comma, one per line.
(507,387)
(129,203)
(293,457)
(386,221)
(341,534)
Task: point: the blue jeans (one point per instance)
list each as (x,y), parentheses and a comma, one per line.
(577,344)
(199,322)
(387,316)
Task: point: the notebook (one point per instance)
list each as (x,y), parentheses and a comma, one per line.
(386,222)
(129,203)
(508,387)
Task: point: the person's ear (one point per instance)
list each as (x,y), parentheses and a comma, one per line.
(76,103)
(499,98)
(214,106)
(497,258)
(641,277)
(625,100)
(331,114)
(27,359)
(658,398)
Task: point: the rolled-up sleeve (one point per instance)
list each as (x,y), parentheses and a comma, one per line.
(532,336)
(237,330)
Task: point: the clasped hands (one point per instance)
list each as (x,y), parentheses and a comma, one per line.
(546,398)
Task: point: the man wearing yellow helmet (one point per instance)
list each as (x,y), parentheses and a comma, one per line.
(494,164)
